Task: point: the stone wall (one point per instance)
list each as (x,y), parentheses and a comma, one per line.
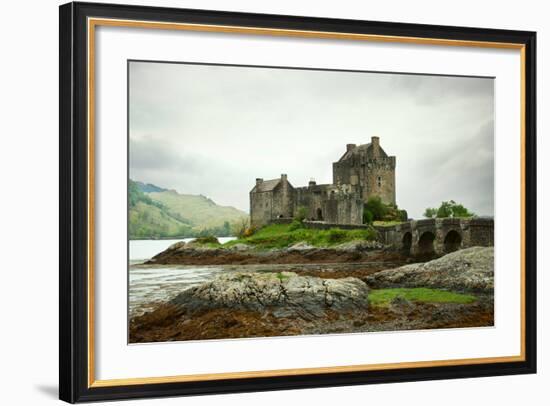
(370,177)
(482,232)
(322,225)
(326,226)
(261,208)
(266,205)
(379,179)
(438,235)
(329,203)
(312,199)
(285,198)
(344,209)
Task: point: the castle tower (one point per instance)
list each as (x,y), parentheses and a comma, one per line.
(271,199)
(368,169)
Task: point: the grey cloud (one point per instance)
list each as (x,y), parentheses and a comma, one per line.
(146,154)
(212,130)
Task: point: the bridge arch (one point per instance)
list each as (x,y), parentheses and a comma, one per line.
(437,236)
(426,243)
(452,241)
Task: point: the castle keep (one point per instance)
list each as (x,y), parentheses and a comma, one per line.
(363,171)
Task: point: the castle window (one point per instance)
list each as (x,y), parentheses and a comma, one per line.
(379,180)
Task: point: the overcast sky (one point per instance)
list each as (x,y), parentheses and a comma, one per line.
(212,130)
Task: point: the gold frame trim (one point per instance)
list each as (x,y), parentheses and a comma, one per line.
(94,22)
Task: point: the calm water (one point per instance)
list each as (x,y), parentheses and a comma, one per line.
(142,250)
(150,284)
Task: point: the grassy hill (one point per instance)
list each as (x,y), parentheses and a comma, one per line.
(197,209)
(163,213)
(149,221)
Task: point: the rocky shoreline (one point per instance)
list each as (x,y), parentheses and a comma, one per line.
(309,300)
(183,253)
(470,269)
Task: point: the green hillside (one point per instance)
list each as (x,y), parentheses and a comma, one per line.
(149,221)
(197,209)
(166,213)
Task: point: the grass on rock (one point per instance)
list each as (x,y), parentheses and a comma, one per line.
(380,223)
(383,297)
(286,235)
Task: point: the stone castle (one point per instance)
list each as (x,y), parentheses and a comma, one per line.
(363,171)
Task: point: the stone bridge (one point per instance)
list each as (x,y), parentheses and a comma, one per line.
(439,236)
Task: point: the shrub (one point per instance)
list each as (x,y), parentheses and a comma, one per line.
(209,239)
(243,228)
(301,214)
(336,235)
(295,225)
(368,217)
(376,207)
(376,210)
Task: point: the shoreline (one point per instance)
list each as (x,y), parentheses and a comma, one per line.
(190,254)
(172,238)
(249,298)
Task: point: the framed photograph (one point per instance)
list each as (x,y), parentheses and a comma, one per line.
(257,202)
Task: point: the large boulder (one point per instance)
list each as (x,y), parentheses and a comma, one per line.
(177,246)
(470,269)
(282,294)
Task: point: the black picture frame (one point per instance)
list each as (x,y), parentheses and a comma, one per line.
(74,384)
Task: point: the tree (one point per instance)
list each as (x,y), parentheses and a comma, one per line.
(430,213)
(376,210)
(226,232)
(376,207)
(448,209)
(242,228)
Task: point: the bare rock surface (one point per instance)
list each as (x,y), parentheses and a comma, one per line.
(301,246)
(359,245)
(283,294)
(241,247)
(180,245)
(470,269)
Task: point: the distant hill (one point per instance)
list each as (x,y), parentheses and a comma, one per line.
(148,187)
(162,213)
